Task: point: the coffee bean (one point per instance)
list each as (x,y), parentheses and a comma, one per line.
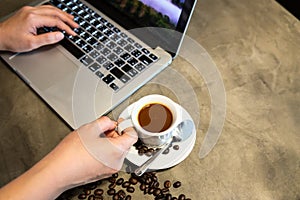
(176,147)
(156,192)
(98,192)
(91,197)
(99,198)
(160,197)
(130,189)
(165,190)
(111,192)
(177,184)
(115,175)
(148,153)
(167,184)
(128,197)
(122,194)
(120,181)
(112,185)
(142,187)
(86,191)
(151,190)
(82,196)
(166,151)
(168,197)
(133,180)
(174,198)
(116,197)
(126,184)
(155,184)
(181,197)
(112,179)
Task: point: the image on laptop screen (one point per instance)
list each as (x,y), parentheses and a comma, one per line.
(147,13)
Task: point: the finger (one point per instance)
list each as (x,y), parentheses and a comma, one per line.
(45,39)
(53,11)
(129,137)
(49,21)
(55,15)
(106,124)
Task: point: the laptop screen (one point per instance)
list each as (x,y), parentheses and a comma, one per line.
(151,12)
(132,14)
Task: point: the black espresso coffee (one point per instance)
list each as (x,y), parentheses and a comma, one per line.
(155,118)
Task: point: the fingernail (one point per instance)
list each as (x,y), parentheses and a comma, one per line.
(59,36)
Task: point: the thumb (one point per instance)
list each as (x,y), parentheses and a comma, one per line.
(48,38)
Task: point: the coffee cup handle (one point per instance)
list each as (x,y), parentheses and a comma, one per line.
(127,123)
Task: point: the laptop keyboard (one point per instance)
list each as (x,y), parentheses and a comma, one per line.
(104,49)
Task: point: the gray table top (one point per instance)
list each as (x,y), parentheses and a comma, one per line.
(255,45)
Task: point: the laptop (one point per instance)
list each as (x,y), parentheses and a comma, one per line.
(119,47)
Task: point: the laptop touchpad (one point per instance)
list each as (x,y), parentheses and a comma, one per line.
(45,67)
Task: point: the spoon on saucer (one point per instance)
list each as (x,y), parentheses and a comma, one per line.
(182,132)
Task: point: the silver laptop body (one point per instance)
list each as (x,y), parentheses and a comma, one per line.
(74,89)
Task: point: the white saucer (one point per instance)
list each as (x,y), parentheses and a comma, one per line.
(163,161)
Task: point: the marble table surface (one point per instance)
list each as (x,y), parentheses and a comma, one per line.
(255,46)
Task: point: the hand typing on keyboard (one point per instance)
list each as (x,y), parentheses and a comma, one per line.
(19,32)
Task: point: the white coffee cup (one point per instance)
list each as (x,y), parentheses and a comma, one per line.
(158,110)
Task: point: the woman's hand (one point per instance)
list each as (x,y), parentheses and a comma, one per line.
(19,32)
(70,163)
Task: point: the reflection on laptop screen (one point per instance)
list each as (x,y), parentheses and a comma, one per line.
(147,13)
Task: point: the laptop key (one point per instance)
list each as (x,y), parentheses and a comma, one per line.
(94,67)
(129,70)
(74,50)
(114,86)
(132,61)
(86,60)
(94,54)
(136,53)
(119,62)
(101,60)
(119,74)
(99,74)
(108,65)
(125,56)
(146,60)
(140,67)
(153,57)
(108,79)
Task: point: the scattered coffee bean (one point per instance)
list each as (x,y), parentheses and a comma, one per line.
(116,197)
(166,151)
(176,147)
(130,189)
(181,197)
(115,175)
(82,196)
(168,197)
(86,191)
(122,194)
(112,185)
(91,197)
(112,179)
(120,181)
(98,192)
(167,184)
(156,192)
(126,184)
(111,192)
(177,184)
(133,180)
(142,187)
(128,197)
(165,190)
